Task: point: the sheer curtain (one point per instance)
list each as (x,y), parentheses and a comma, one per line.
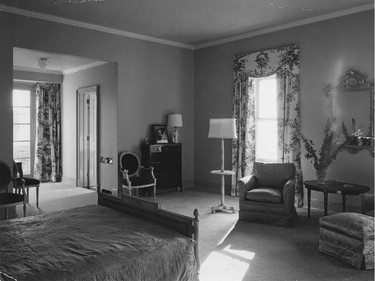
(284,62)
(48,133)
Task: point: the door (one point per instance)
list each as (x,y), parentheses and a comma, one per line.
(87,144)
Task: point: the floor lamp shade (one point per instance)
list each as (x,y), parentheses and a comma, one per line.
(222,128)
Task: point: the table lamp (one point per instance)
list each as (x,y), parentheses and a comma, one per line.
(175,120)
(222,128)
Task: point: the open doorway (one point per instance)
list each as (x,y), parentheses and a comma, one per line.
(74,73)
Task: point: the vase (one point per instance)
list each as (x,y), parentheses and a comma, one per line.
(321,175)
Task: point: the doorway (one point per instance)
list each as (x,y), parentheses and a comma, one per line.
(87,137)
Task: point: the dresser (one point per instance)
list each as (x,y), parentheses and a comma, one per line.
(167,162)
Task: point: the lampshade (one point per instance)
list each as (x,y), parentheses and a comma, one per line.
(174,120)
(222,128)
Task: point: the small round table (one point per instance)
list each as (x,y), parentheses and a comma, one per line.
(336,187)
(221,206)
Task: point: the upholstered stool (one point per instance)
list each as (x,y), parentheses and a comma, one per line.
(349,237)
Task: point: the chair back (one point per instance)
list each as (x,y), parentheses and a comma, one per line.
(273,174)
(130,162)
(5,176)
(17,169)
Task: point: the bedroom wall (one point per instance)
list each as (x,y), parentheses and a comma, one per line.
(327,50)
(105,76)
(153,79)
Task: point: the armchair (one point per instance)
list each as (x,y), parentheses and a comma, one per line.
(135,176)
(267,196)
(10,199)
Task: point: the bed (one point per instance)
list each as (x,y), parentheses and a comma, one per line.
(119,239)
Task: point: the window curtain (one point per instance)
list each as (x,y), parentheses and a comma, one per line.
(284,62)
(48,133)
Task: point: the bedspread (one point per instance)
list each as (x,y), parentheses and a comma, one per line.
(93,243)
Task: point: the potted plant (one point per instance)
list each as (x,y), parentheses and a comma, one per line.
(333,143)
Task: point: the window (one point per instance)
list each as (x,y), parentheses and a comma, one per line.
(23,140)
(266,119)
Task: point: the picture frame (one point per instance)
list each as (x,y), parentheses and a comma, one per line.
(160,133)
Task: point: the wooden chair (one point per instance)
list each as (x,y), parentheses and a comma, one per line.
(10,199)
(28,181)
(134,175)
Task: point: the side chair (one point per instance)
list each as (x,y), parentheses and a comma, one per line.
(135,176)
(28,181)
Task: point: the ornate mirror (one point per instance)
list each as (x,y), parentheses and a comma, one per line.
(352,106)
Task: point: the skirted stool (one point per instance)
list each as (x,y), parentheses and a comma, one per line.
(349,237)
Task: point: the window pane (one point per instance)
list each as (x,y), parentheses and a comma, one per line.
(267,97)
(21,149)
(25,165)
(21,115)
(21,98)
(266,140)
(21,132)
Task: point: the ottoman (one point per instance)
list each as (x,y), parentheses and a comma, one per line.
(349,237)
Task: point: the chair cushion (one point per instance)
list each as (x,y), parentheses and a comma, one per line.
(353,224)
(273,174)
(137,181)
(265,194)
(31,181)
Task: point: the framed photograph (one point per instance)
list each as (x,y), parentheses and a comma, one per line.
(160,133)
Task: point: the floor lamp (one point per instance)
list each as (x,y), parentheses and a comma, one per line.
(222,128)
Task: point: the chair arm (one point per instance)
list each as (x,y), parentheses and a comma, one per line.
(125,176)
(147,172)
(288,195)
(245,184)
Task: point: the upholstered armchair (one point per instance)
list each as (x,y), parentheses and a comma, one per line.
(267,196)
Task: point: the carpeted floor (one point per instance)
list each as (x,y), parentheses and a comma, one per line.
(230,250)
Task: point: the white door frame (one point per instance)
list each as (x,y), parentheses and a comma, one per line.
(87,137)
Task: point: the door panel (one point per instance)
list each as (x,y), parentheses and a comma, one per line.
(87,164)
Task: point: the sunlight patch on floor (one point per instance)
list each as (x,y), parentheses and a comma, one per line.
(226,264)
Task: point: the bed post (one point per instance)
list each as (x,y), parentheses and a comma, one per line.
(196,238)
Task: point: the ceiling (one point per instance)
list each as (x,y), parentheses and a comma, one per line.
(191,24)
(28,60)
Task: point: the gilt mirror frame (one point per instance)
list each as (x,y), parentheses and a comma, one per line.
(353,82)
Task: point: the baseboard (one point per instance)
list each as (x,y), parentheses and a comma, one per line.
(69,180)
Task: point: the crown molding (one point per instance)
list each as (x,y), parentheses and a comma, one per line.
(114,31)
(83,67)
(288,25)
(41,16)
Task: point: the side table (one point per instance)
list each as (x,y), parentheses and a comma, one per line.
(336,187)
(221,207)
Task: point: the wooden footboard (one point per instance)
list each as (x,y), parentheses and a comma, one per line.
(185,225)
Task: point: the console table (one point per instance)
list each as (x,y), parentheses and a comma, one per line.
(221,206)
(336,187)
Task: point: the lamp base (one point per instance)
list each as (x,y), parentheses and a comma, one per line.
(175,135)
(222,208)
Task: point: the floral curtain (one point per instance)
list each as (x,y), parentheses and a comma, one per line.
(48,137)
(284,62)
